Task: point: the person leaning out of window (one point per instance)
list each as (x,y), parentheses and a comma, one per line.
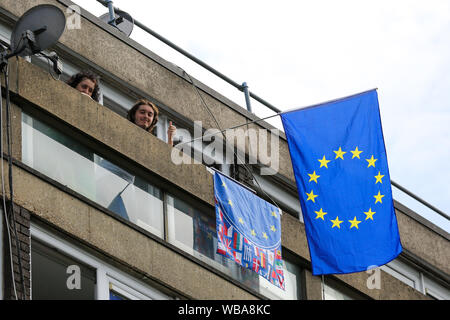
(87,83)
(145,115)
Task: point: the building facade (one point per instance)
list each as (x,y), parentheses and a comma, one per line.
(102,211)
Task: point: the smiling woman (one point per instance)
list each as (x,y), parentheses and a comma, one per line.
(144,114)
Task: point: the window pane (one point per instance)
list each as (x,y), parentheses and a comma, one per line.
(58,277)
(195,232)
(67,161)
(115,296)
(334,290)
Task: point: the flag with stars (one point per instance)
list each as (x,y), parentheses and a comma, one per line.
(248,230)
(340,165)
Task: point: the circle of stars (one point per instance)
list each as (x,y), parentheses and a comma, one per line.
(314,180)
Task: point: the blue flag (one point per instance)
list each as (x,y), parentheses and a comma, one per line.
(248,230)
(340,166)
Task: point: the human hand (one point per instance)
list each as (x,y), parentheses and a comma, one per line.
(171,133)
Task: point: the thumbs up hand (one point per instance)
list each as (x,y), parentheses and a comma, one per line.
(171,133)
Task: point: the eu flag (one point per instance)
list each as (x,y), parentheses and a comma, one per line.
(248,230)
(341,171)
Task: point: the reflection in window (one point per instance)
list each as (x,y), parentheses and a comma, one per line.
(58,277)
(195,232)
(72,164)
(116,296)
(333,290)
(334,294)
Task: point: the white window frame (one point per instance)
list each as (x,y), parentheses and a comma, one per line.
(5,33)
(106,274)
(404,273)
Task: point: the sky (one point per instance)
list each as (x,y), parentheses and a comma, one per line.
(299,53)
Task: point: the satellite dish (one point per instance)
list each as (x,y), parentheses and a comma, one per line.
(37,29)
(124,22)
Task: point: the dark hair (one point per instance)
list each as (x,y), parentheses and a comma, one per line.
(86,74)
(132,112)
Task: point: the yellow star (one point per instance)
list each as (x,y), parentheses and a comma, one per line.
(378,197)
(378,177)
(336,223)
(356,153)
(274,214)
(354,223)
(265,236)
(323,162)
(313,177)
(369,214)
(320,214)
(253,233)
(224,185)
(230,203)
(311,196)
(340,154)
(272,228)
(371,162)
(241,221)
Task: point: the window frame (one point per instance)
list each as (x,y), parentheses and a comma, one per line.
(105,274)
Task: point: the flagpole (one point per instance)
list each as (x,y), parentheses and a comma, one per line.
(277,114)
(323,288)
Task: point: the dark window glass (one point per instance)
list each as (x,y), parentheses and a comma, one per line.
(56,276)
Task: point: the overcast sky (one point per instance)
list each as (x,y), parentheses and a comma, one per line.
(298,53)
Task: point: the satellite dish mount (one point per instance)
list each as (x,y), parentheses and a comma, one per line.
(30,35)
(117,18)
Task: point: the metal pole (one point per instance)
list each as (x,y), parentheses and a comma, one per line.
(412,195)
(112,18)
(247,97)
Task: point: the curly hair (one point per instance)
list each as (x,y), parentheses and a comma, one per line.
(132,112)
(86,74)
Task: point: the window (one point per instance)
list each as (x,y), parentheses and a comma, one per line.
(416,279)
(334,294)
(80,169)
(334,290)
(56,264)
(5,33)
(56,276)
(195,232)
